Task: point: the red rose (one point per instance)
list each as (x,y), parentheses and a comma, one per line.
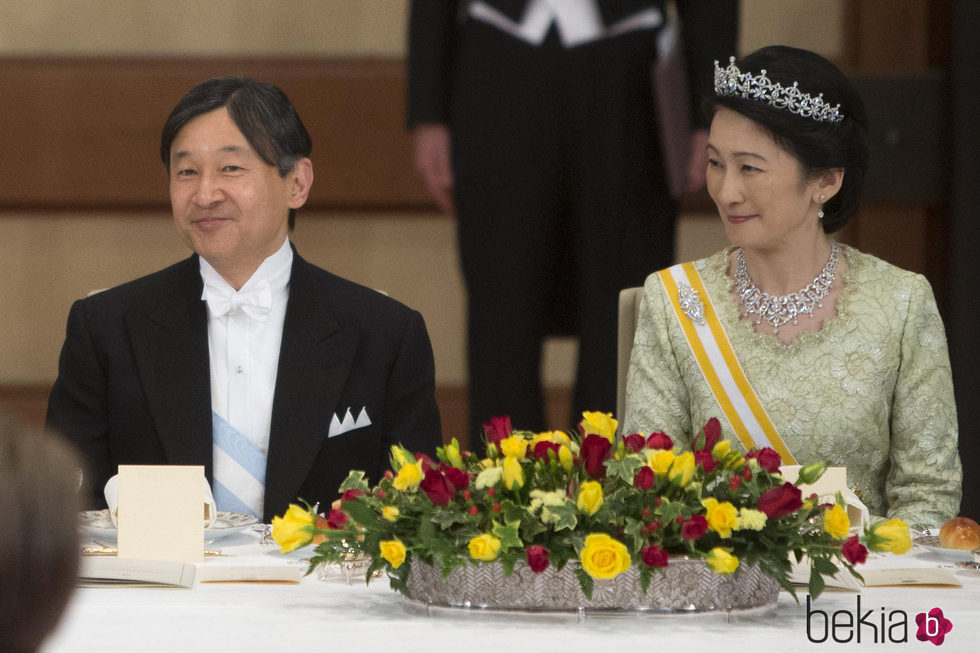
(703,457)
(768,459)
(747,473)
(660,440)
(457,477)
(351,495)
(542,448)
(654,556)
(497,429)
(644,478)
(734,482)
(594,451)
(537,558)
(854,551)
(694,527)
(712,433)
(635,442)
(336,518)
(437,487)
(781,500)
(427,462)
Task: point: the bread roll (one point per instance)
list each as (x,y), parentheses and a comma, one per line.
(960,533)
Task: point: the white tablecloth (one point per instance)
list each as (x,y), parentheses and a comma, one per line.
(329,615)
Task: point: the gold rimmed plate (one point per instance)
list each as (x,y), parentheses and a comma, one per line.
(98,524)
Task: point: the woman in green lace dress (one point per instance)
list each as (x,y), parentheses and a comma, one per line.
(845,352)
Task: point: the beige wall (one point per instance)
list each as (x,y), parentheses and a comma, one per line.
(47,261)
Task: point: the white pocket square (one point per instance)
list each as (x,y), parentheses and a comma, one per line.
(338,427)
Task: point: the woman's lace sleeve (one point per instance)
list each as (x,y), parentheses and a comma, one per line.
(656,394)
(924,483)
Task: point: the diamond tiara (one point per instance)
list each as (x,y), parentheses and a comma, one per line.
(733,82)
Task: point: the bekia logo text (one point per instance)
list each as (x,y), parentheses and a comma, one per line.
(874,626)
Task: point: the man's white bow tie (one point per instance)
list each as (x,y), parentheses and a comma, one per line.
(256,302)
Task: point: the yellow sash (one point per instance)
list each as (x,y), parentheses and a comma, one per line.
(716,358)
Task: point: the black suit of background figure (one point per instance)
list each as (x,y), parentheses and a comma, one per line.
(552,160)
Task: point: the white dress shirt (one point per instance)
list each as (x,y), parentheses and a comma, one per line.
(244,350)
(578,21)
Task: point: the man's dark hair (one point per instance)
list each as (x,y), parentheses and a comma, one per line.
(262,113)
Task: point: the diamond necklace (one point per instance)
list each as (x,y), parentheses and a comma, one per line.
(778,311)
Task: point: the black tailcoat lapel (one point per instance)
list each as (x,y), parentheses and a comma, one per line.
(314,362)
(169,332)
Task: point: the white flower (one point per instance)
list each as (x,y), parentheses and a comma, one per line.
(488,477)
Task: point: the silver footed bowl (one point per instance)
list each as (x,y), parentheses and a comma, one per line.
(684,586)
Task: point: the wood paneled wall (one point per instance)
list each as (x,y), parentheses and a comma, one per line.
(106,157)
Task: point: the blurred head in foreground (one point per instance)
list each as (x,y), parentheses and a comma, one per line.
(39,479)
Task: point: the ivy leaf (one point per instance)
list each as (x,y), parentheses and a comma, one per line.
(507,534)
(448,516)
(816,582)
(586,582)
(624,469)
(355,481)
(567,516)
(362,514)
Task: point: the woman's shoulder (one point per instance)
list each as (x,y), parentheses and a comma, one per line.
(711,268)
(866,267)
(869,272)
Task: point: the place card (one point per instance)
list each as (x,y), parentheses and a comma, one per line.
(160,514)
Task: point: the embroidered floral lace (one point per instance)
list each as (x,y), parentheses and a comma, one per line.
(871,390)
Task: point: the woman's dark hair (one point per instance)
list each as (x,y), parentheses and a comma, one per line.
(818,145)
(39,490)
(262,113)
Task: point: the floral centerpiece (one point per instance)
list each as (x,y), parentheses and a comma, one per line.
(592,501)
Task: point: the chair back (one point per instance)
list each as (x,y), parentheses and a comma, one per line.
(629,311)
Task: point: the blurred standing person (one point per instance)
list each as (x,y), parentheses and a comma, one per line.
(535,121)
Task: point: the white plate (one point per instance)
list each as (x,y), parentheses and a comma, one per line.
(98,524)
(931,542)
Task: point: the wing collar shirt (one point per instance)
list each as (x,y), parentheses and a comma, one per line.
(577,21)
(244,336)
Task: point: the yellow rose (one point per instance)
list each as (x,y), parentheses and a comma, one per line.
(558,437)
(751,520)
(603,557)
(393,551)
(390,513)
(566,458)
(721,561)
(452,454)
(892,535)
(400,456)
(682,470)
(589,497)
(408,477)
(513,474)
(836,522)
(484,547)
(292,530)
(722,517)
(514,446)
(660,460)
(599,423)
(721,449)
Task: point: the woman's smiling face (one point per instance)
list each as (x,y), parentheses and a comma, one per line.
(763,196)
